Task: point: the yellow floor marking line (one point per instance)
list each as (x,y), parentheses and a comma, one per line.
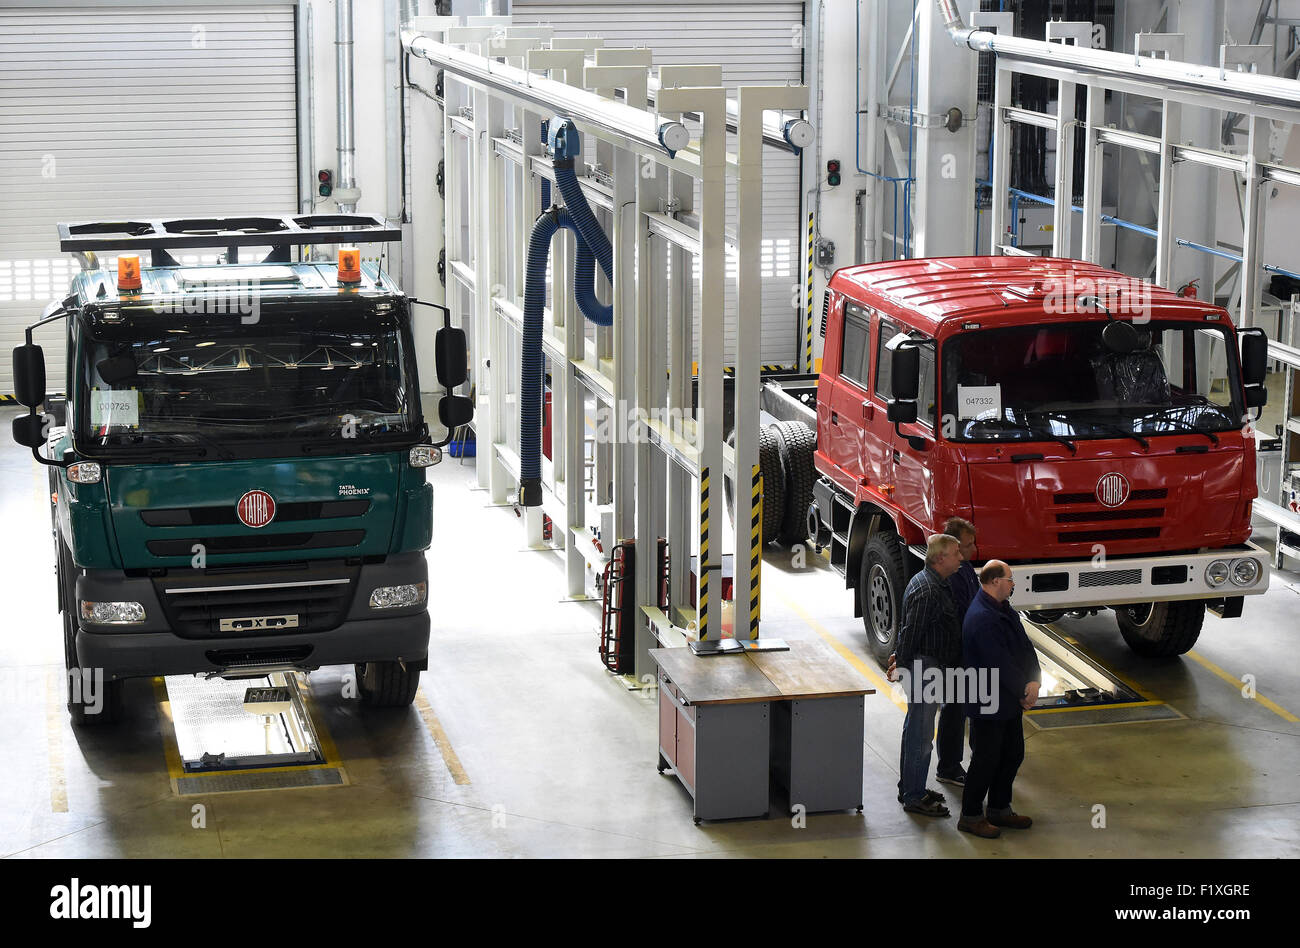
(440,738)
(1098,707)
(171,751)
(54,712)
(1237,683)
(882,687)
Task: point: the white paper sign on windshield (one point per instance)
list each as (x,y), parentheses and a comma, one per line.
(979,401)
(115,409)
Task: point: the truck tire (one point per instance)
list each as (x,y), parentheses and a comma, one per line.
(797,442)
(881,583)
(773,471)
(1161,629)
(110,699)
(387,684)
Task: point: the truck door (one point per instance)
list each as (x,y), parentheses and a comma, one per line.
(879,431)
(913,466)
(845,416)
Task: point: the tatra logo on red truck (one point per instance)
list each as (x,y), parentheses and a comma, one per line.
(1112,489)
(256,508)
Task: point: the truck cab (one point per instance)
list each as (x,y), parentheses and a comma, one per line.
(1096,430)
(237,474)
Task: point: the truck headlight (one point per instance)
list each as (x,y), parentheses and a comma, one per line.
(425,455)
(112,613)
(1245,571)
(1216,574)
(85,472)
(398,597)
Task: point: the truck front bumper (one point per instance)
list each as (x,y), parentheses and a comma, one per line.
(1112,581)
(145,654)
(170,641)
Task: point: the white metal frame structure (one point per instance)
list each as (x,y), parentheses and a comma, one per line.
(661,461)
(1260,99)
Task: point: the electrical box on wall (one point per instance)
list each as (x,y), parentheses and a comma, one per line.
(824,252)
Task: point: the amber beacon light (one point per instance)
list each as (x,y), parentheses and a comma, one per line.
(349,265)
(128,272)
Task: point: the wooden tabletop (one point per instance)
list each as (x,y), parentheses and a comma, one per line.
(808,670)
(714,679)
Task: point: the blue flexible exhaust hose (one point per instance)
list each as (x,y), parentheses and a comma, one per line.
(584,292)
(593,248)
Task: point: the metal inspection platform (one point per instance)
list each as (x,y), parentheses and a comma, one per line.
(251,733)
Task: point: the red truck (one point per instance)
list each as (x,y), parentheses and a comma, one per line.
(1095,428)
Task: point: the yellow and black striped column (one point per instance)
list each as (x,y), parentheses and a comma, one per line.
(808,315)
(704,567)
(755,549)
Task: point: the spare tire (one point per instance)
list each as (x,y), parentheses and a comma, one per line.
(797,444)
(773,471)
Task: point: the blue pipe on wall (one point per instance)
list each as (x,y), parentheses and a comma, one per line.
(593,248)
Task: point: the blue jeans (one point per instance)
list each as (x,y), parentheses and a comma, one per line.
(918,741)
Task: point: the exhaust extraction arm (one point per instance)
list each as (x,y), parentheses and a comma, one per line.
(593,248)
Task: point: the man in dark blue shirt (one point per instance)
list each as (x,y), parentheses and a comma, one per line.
(929,643)
(999,659)
(951,742)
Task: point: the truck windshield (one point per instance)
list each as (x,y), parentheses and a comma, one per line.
(304,379)
(1043,382)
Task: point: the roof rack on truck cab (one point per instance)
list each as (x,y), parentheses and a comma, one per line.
(279,232)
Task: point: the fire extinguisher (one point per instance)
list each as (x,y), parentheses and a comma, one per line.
(1189,289)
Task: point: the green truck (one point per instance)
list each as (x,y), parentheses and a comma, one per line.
(238,469)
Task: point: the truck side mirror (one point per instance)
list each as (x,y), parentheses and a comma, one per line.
(451,357)
(1254,356)
(900,412)
(27,430)
(1254,366)
(905,384)
(905,367)
(29,374)
(454,411)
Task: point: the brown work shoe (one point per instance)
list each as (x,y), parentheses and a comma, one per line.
(978,826)
(1010,820)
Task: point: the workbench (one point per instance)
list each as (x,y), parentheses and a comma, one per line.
(729,724)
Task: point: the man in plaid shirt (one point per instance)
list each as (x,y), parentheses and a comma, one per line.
(929,638)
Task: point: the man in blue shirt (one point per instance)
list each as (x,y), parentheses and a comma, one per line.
(951,741)
(996,649)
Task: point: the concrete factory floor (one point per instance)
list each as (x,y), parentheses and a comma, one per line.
(522,744)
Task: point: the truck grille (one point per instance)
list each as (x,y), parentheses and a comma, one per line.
(195,604)
(225,515)
(1098,516)
(1098,536)
(257,543)
(1125,513)
(1146,493)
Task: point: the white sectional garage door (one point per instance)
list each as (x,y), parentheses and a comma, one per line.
(108,113)
(756,43)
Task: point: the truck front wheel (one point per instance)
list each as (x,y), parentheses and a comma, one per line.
(881,583)
(387,684)
(1161,629)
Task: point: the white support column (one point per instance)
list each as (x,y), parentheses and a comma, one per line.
(1170,126)
(1252,239)
(1001,147)
(488,122)
(944,217)
(1095,118)
(752,101)
(1063,212)
(711,104)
